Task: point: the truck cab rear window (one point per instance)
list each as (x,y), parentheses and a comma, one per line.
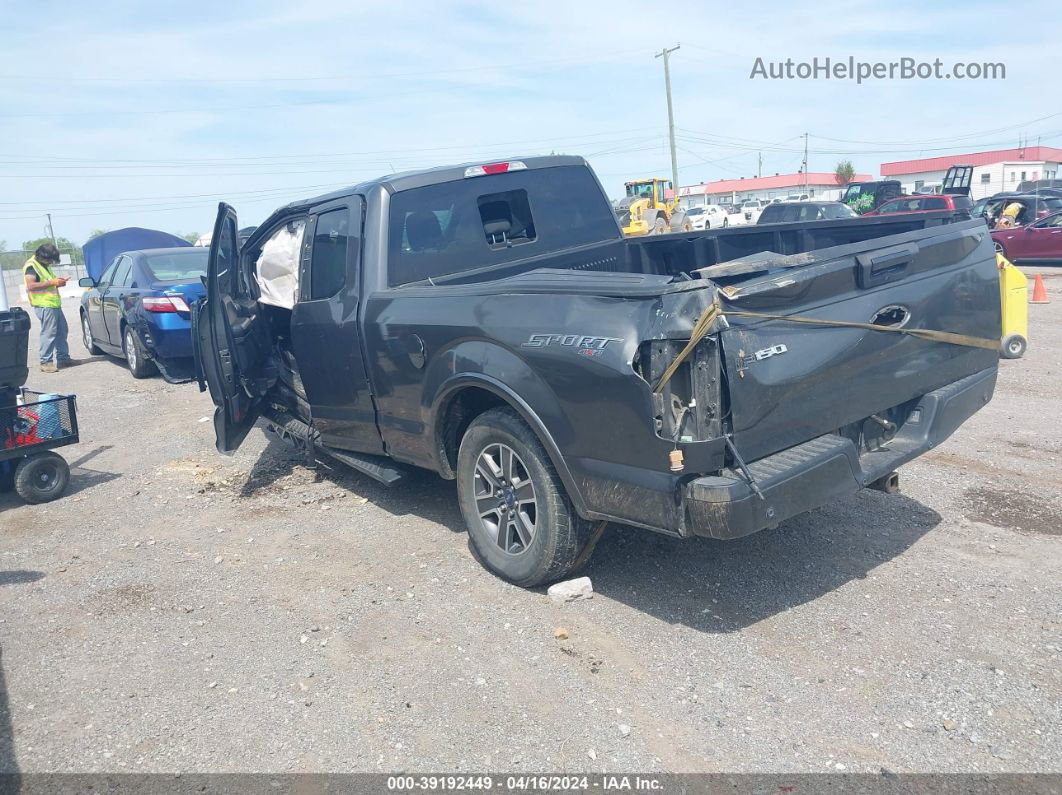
(452,227)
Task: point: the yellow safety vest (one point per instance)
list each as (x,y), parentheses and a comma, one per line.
(47,299)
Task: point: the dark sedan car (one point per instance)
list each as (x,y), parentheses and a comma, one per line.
(1034,206)
(805,211)
(140,308)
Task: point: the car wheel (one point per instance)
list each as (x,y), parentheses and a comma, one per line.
(135,356)
(86,336)
(659,227)
(521,524)
(1013,346)
(42,477)
(1000,250)
(726,223)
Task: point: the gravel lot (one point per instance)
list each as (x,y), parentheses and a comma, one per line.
(182,611)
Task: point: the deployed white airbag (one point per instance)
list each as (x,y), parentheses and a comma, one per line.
(278,266)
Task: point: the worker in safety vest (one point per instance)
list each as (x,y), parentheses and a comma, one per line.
(1009,216)
(42,286)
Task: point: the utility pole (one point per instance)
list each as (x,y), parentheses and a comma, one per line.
(51,232)
(759,164)
(804,167)
(665,53)
(55,242)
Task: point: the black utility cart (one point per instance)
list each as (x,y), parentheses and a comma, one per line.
(32,424)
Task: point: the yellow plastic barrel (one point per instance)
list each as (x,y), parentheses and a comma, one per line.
(1014,303)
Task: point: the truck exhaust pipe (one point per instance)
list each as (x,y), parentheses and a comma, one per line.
(890,483)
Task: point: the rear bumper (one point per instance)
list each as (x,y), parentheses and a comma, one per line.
(168,335)
(823,469)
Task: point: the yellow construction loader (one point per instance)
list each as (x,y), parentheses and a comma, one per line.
(647,209)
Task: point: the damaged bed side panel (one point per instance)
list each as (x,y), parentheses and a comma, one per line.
(571,359)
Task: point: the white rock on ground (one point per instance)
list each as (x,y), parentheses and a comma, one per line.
(570,590)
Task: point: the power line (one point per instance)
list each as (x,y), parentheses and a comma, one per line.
(582,59)
(383,152)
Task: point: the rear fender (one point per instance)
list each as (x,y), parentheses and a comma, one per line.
(491,367)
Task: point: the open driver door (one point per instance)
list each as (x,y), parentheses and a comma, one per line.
(230,338)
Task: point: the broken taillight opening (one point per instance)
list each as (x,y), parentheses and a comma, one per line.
(495,168)
(166,303)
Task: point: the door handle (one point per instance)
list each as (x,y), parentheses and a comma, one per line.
(880,267)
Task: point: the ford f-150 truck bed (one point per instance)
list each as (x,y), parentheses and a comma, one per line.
(490,323)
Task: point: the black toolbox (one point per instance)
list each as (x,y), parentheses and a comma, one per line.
(14,344)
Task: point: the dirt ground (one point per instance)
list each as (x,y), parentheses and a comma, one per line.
(183,611)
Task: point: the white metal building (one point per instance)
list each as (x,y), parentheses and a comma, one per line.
(998,170)
(817,185)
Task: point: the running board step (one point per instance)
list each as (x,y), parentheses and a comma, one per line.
(294,430)
(376,467)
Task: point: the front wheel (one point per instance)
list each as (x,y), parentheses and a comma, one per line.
(1000,250)
(139,364)
(521,524)
(42,477)
(659,227)
(86,336)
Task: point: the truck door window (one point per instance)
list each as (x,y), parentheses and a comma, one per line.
(328,263)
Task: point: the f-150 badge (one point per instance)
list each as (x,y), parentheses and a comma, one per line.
(746,359)
(583,344)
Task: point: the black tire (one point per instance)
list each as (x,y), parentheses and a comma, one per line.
(558,535)
(726,223)
(42,477)
(1013,346)
(86,337)
(135,355)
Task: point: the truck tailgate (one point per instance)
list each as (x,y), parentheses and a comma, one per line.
(790,383)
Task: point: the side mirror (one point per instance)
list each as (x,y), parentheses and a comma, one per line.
(86,281)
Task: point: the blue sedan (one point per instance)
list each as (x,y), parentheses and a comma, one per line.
(140,309)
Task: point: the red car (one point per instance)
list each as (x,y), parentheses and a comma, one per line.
(929,203)
(1040,241)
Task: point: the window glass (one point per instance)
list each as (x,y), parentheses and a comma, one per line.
(226,264)
(180,266)
(934,204)
(328,264)
(108,274)
(833,211)
(440,230)
(122,275)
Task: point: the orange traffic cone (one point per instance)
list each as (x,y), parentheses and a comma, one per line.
(1039,295)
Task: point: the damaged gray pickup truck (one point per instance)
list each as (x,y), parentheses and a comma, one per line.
(489,322)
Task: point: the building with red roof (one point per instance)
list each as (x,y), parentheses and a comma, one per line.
(816,184)
(994,171)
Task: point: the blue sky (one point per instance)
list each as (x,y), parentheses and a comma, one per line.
(119,114)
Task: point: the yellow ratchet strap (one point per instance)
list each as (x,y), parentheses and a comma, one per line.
(715,310)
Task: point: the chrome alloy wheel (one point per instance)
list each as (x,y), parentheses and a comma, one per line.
(505,498)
